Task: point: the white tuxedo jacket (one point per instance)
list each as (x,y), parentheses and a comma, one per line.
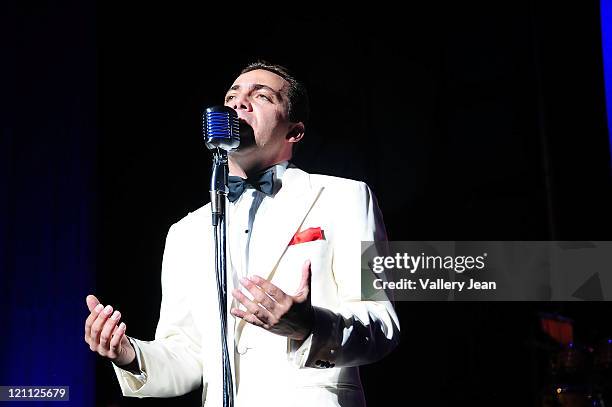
(271,370)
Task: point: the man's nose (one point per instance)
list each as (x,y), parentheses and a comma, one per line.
(241,103)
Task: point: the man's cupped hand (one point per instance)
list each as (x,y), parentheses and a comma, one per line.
(275,311)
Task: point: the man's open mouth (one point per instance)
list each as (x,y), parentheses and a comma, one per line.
(247,135)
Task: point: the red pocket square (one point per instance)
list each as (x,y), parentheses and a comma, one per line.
(307,235)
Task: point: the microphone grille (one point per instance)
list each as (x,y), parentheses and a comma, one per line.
(220,123)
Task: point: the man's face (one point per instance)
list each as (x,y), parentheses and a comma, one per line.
(260,99)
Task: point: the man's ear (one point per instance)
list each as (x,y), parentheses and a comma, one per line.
(296,132)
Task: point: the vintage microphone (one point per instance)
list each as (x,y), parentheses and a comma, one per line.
(221,130)
(221,134)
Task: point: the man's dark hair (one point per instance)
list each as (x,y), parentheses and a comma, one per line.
(298,104)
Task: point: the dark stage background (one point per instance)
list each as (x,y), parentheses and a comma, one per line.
(468,122)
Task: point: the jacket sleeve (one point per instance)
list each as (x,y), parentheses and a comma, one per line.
(171,365)
(357,332)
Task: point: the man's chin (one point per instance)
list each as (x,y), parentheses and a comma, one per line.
(247,142)
(243,150)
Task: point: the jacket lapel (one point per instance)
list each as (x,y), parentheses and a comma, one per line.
(290,207)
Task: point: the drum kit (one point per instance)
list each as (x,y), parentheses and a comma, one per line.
(580,375)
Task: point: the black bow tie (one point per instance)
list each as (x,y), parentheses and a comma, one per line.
(263,182)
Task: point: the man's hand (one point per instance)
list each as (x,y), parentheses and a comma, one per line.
(275,311)
(104,336)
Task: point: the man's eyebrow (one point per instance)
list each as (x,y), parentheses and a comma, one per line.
(259,86)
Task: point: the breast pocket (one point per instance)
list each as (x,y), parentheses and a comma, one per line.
(289,272)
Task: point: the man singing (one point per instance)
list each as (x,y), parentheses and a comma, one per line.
(297,326)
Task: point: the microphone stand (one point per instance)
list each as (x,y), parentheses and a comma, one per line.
(218,193)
